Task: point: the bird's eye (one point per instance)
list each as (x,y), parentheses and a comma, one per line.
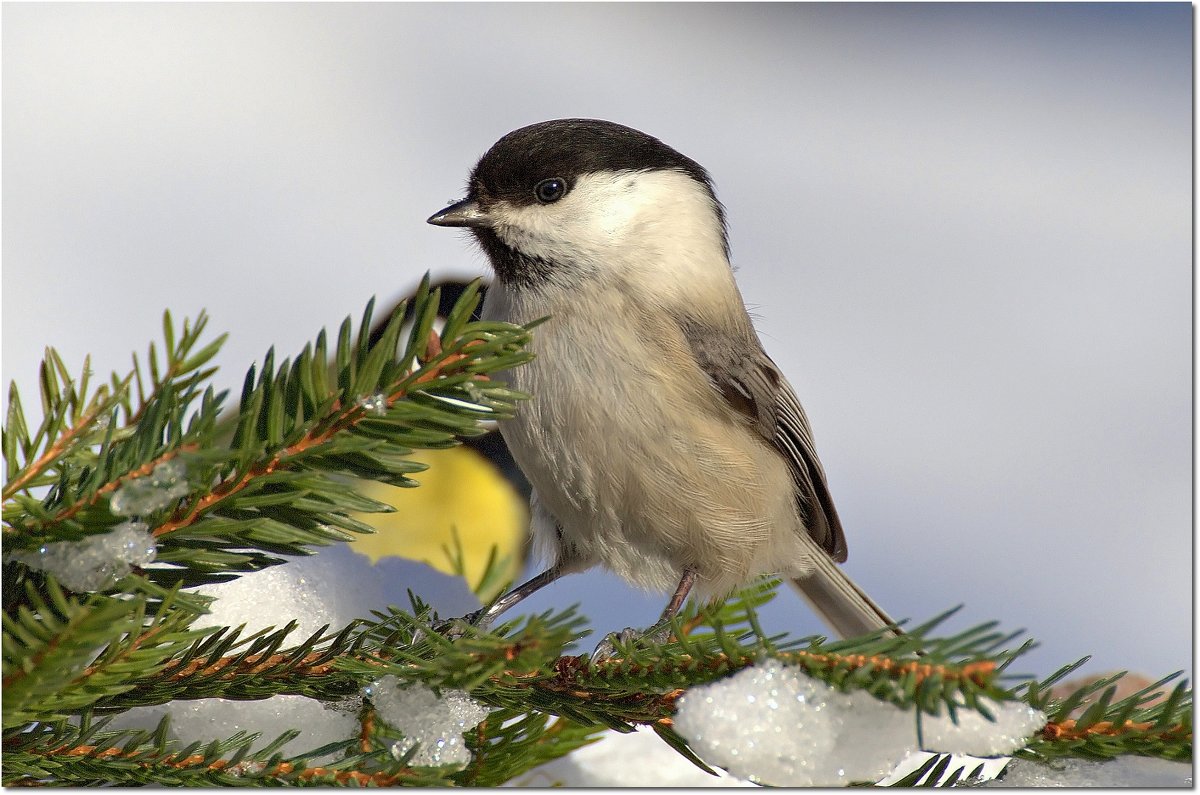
(550,190)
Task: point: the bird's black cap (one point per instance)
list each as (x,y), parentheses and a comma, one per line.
(564,149)
(568,148)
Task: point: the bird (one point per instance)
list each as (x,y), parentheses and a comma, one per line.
(660,440)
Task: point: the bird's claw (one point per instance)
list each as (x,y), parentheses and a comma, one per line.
(455,628)
(607,648)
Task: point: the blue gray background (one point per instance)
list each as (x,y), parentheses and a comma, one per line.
(964,231)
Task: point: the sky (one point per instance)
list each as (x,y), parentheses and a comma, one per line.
(964,233)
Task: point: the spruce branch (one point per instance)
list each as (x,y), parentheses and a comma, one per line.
(1108,727)
(511,742)
(520,669)
(520,665)
(39,460)
(1105,730)
(936,772)
(282,483)
(87,755)
(276,479)
(63,654)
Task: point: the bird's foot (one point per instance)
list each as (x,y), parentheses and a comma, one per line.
(455,628)
(607,648)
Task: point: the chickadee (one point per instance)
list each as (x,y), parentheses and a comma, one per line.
(661,441)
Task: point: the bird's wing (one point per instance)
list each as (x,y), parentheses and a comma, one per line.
(755,388)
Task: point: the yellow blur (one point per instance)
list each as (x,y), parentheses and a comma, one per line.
(461,492)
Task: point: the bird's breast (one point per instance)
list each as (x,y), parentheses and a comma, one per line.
(632,451)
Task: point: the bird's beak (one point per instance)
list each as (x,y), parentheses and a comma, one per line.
(463,213)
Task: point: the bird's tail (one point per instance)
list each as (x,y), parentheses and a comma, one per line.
(841,604)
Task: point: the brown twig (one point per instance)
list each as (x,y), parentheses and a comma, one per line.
(198,760)
(45,459)
(339,419)
(366,729)
(234,665)
(1069,729)
(113,485)
(573,679)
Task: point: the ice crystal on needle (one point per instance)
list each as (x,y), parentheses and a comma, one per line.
(374,404)
(96,562)
(149,493)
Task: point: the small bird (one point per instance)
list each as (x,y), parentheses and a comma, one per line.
(661,441)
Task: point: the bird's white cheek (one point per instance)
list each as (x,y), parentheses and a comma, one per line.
(565,233)
(622,222)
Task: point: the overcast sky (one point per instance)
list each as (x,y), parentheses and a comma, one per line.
(964,233)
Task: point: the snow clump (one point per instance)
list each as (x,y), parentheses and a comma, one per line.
(773,724)
(434,724)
